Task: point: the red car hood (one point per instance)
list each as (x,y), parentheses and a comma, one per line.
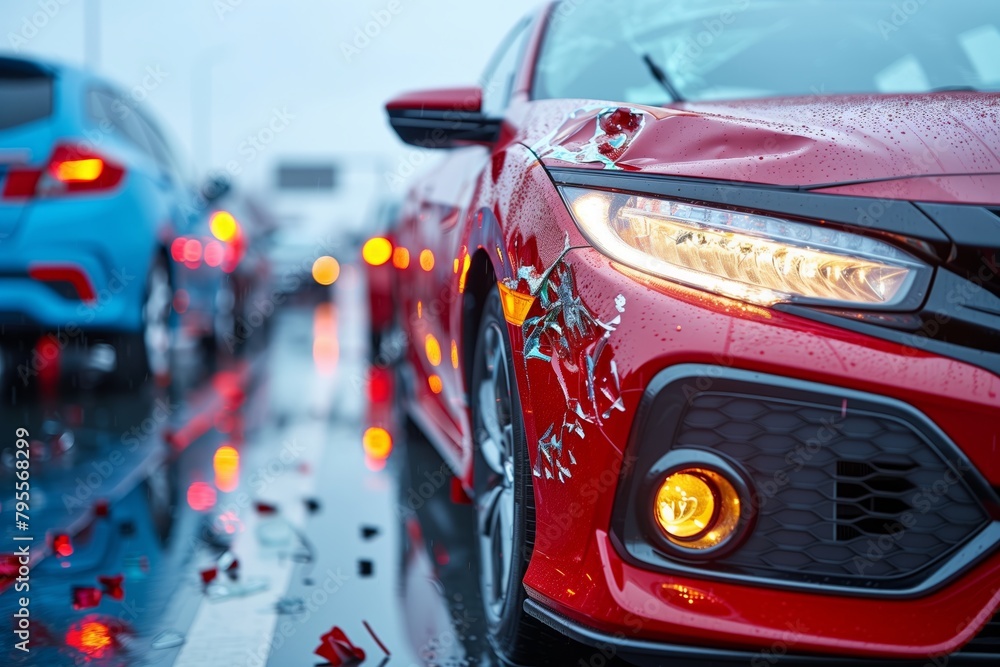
(802,141)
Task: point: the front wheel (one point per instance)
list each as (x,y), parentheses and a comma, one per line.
(505,514)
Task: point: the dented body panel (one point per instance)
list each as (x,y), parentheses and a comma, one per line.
(800,142)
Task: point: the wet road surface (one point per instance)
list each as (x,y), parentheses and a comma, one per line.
(234,518)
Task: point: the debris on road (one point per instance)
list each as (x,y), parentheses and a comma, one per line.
(338,650)
(375,637)
(290,606)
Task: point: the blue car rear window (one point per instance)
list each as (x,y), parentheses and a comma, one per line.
(24,100)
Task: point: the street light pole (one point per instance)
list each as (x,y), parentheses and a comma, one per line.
(92,33)
(201,105)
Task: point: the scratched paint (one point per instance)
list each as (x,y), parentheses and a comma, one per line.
(569,335)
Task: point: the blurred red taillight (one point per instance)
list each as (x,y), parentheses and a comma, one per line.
(62,545)
(223,250)
(177,249)
(214,253)
(71,169)
(380,385)
(21,183)
(82,170)
(192,253)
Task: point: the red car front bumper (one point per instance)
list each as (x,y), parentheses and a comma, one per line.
(583,575)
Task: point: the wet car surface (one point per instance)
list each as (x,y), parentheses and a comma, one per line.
(253,477)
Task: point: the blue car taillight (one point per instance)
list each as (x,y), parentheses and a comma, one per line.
(71,169)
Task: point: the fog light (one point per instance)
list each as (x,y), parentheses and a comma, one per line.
(685,505)
(696,508)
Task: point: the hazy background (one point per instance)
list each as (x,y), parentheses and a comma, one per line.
(223,67)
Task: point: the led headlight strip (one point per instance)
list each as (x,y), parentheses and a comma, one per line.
(754,258)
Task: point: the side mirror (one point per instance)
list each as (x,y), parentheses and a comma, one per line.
(215,188)
(443,118)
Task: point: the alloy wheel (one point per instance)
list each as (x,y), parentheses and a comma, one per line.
(156,320)
(495,505)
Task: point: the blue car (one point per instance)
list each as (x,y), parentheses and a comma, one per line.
(91,197)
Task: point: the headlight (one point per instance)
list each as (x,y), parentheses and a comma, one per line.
(753,258)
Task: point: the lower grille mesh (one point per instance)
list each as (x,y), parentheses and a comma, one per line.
(844,496)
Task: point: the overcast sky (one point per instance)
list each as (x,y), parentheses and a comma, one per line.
(293,59)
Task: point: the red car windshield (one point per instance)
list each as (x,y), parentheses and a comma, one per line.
(659,51)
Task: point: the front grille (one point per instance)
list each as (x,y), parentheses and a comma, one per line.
(869,496)
(849,496)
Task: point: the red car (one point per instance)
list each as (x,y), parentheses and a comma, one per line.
(381,258)
(703,310)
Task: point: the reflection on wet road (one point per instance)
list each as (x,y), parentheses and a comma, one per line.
(237,519)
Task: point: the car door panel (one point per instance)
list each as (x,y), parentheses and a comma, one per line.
(433,237)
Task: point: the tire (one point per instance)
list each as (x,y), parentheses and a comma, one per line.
(504,499)
(146,353)
(222,338)
(375,337)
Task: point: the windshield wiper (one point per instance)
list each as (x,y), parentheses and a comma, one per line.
(662,78)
